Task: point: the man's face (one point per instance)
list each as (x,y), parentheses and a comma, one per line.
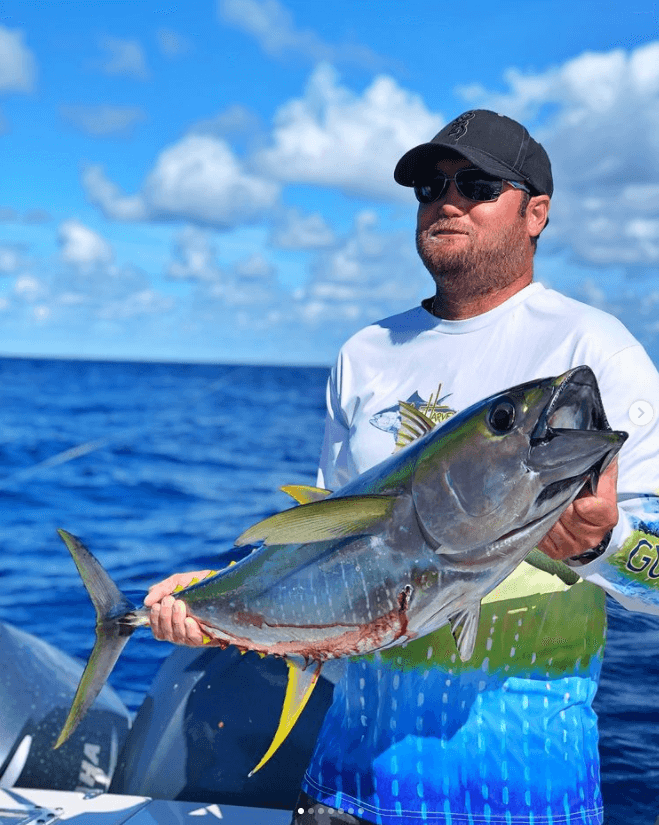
(476,247)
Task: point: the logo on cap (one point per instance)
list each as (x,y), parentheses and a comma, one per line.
(459,126)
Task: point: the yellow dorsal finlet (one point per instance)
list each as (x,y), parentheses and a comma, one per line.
(304,494)
(210,573)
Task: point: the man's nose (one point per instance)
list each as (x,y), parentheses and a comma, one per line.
(452,202)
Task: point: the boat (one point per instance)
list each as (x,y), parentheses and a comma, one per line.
(28,806)
(206,721)
(37,684)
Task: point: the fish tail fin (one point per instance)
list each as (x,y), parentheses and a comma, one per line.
(113,629)
(299,688)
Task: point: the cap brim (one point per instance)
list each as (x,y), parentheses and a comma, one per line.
(419,162)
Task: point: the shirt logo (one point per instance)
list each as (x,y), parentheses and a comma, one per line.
(389,419)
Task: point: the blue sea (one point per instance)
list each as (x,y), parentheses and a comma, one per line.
(158,467)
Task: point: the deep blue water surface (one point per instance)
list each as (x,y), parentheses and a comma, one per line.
(174,461)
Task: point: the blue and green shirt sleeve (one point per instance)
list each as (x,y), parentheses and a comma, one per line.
(629,569)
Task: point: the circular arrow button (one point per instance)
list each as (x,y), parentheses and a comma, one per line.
(641,412)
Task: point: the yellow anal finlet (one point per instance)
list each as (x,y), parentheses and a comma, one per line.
(298,691)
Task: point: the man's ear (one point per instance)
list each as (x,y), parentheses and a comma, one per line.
(537,214)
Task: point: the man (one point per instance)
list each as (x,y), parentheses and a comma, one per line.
(413,733)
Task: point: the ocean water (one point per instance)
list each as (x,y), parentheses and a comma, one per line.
(158,467)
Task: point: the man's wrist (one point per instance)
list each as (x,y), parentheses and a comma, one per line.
(590,555)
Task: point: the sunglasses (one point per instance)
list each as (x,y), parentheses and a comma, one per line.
(473,184)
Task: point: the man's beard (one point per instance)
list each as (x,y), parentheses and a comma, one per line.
(476,269)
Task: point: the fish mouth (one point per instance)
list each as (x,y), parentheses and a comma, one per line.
(575,404)
(572,434)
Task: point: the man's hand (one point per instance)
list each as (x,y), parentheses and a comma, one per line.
(169,619)
(586,521)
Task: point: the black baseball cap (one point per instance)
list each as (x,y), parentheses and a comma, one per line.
(494,143)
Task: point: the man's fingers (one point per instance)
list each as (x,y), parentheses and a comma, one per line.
(586,521)
(597,512)
(158,591)
(161,619)
(194,636)
(179,613)
(548,547)
(560,542)
(170,623)
(608,482)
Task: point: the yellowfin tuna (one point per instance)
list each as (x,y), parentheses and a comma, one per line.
(410,545)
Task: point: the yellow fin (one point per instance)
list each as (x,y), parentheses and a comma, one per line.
(180,587)
(298,691)
(413,424)
(304,494)
(326,520)
(195,580)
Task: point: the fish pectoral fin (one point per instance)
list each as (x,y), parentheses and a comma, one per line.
(536,558)
(327,520)
(299,688)
(413,425)
(464,627)
(304,494)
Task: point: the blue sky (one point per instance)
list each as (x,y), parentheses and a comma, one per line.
(213,180)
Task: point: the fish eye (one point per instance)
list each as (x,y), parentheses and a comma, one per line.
(502,416)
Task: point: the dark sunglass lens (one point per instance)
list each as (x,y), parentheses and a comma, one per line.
(477,186)
(423,193)
(431,191)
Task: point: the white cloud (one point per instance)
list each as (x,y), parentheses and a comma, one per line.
(235,120)
(369,274)
(11,259)
(273,26)
(255,268)
(225,296)
(602,134)
(82,247)
(18,67)
(194,257)
(172,43)
(89,286)
(198,179)
(125,58)
(102,192)
(334,137)
(292,230)
(247,296)
(103,120)
(135,305)
(29,288)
